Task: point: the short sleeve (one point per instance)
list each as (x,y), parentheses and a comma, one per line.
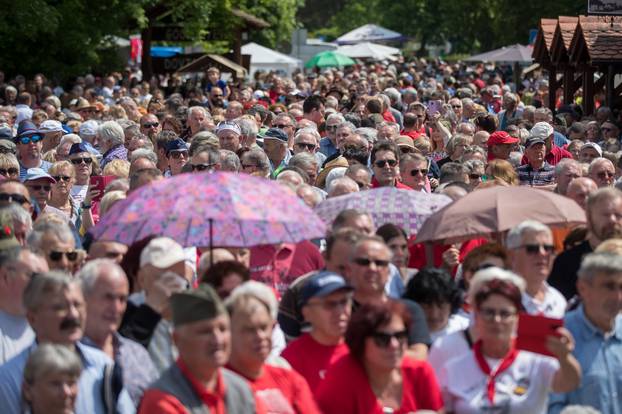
(158,402)
(428,394)
(418,332)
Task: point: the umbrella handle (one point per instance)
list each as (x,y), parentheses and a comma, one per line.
(211,242)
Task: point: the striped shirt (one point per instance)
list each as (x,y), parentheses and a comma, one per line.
(543,176)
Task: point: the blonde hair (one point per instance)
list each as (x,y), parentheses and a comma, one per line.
(8,161)
(118,168)
(503,170)
(60,165)
(110,199)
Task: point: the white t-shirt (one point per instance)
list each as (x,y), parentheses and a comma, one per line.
(445,349)
(78,193)
(455,323)
(15,335)
(553,305)
(521,389)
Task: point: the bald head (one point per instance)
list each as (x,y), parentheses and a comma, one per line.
(579,189)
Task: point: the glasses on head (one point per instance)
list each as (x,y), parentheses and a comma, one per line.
(64,178)
(17,198)
(151,125)
(416,171)
(383,339)
(201,167)
(535,248)
(383,163)
(56,256)
(331,305)
(490,314)
(282,126)
(304,145)
(178,154)
(78,161)
(605,174)
(40,187)
(33,138)
(9,171)
(364,261)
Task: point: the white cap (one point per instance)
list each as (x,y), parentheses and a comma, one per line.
(88,128)
(593,145)
(50,126)
(162,252)
(541,130)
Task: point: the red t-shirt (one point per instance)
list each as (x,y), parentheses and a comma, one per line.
(388,116)
(282,391)
(376,184)
(414,134)
(346,389)
(418,258)
(279,268)
(311,359)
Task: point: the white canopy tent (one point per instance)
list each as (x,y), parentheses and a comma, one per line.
(263,58)
(368,33)
(368,50)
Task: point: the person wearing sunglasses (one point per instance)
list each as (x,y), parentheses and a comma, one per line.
(602,171)
(29,144)
(150,126)
(9,166)
(177,156)
(328,144)
(64,174)
(82,162)
(54,241)
(384,160)
(378,376)
(414,171)
(39,184)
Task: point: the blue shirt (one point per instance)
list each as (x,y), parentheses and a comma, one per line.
(601,362)
(559,139)
(327,148)
(89,399)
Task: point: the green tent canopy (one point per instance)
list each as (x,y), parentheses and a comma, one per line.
(329,59)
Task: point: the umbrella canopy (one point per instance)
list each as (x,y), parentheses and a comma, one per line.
(368,33)
(405,208)
(237,209)
(329,59)
(497,209)
(514,53)
(368,50)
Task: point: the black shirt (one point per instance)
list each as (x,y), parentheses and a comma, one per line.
(563,276)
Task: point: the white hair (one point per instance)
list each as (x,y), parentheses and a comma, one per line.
(144,153)
(255,290)
(92,270)
(514,238)
(481,277)
(111,131)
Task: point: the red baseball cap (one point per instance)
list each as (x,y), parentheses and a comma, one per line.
(501,137)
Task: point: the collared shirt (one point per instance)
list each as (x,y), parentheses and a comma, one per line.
(600,357)
(275,171)
(543,176)
(553,305)
(138,369)
(327,147)
(115,153)
(90,384)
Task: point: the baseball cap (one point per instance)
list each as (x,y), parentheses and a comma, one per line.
(78,148)
(594,145)
(88,128)
(51,126)
(36,173)
(228,126)
(542,130)
(176,145)
(162,252)
(275,133)
(501,137)
(26,128)
(534,140)
(322,284)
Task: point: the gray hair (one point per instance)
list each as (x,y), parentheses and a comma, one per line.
(255,290)
(144,153)
(514,238)
(481,277)
(597,161)
(51,358)
(259,158)
(73,138)
(347,124)
(248,127)
(599,263)
(452,171)
(393,94)
(340,183)
(308,131)
(198,109)
(304,160)
(564,164)
(18,214)
(111,131)
(370,134)
(60,230)
(40,287)
(457,139)
(338,117)
(229,161)
(545,111)
(472,165)
(394,125)
(92,270)
(472,149)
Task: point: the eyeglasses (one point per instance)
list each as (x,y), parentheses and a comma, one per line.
(10,197)
(9,171)
(489,314)
(364,261)
(151,125)
(178,154)
(475,176)
(605,174)
(383,339)
(456,106)
(535,248)
(331,127)
(303,145)
(56,256)
(422,171)
(77,161)
(40,187)
(33,138)
(406,150)
(282,126)
(331,305)
(201,167)
(64,178)
(382,163)
(248,166)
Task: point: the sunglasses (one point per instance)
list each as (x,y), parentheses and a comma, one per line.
(33,138)
(422,171)
(407,150)
(40,187)
(456,106)
(281,126)
(475,176)
(64,178)
(201,167)
(178,154)
(535,248)
(382,163)
(77,161)
(218,96)
(9,171)
(18,198)
(303,145)
(56,256)
(364,261)
(605,174)
(490,314)
(151,125)
(383,339)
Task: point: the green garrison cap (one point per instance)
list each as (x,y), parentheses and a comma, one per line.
(7,237)
(196,305)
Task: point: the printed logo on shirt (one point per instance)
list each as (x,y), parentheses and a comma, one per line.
(521,386)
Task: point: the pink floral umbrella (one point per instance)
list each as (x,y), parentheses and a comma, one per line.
(212,209)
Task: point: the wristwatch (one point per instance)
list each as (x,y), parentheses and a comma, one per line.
(85,206)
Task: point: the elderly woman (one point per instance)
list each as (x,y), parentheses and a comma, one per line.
(9,166)
(253,308)
(65,175)
(377,377)
(50,384)
(82,161)
(495,376)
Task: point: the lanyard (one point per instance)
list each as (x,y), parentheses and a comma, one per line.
(506,362)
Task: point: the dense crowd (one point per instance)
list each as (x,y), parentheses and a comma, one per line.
(364,320)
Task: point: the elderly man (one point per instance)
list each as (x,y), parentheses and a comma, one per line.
(286,123)
(554,154)
(249,130)
(566,171)
(217,98)
(500,145)
(537,172)
(596,326)
(361,175)
(234,110)
(328,144)
(610,131)
(340,186)
(510,111)
(414,171)
(306,140)
(275,147)
(56,312)
(150,126)
(52,131)
(204,158)
(589,152)
(198,381)
(579,189)
(55,242)
(106,288)
(604,221)
(13,191)
(307,163)
(384,161)
(29,145)
(111,140)
(39,184)
(106,249)
(531,256)
(177,156)
(198,120)
(603,172)
(229,134)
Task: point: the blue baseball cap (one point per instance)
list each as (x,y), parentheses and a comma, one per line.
(26,128)
(176,145)
(275,133)
(322,284)
(78,148)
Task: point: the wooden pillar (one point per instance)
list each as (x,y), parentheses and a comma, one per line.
(553,86)
(588,91)
(568,85)
(237,46)
(610,85)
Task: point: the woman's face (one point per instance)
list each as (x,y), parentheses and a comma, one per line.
(251,333)
(53,393)
(496,319)
(399,247)
(64,181)
(436,314)
(384,350)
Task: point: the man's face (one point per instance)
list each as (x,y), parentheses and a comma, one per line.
(420,114)
(610,131)
(568,174)
(338,258)
(536,153)
(232,112)
(604,219)
(369,267)
(305,143)
(195,121)
(587,155)
(205,343)
(107,250)
(274,149)
(12,189)
(352,141)
(51,140)
(386,168)
(177,160)
(603,174)
(251,333)
(40,190)
(229,140)
(285,123)
(84,165)
(534,259)
(61,317)
(106,303)
(201,162)
(329,315)
(217,97)
(31,150)
(317,115)
(15,276)
(362,179)
(579,191)
(60,255)
(331,128)
(456,105)
(414,174)
(601,295)
(387,132)
(501,151)
(150,126)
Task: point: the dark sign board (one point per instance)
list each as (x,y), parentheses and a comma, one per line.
(605,7)
(173,33)
(170,65)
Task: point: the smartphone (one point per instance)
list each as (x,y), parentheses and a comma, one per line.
(533,330)
(434,107)
(99,182)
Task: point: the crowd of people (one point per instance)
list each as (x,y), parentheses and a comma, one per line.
(365,320)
